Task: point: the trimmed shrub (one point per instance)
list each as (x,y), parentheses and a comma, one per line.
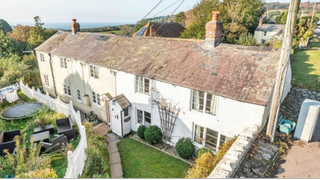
(202,151)
(42,173)
(153,134)
(140,131)
(185,148)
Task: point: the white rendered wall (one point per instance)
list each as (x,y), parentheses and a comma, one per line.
(77,75)
(45,69)
(232,116)
(259,35)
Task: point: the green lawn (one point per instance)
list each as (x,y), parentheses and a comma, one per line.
(141,161)
(110,32)
(306,67)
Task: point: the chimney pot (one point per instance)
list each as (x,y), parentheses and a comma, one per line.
(215,15)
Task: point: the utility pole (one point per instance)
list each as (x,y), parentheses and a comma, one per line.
(283,61)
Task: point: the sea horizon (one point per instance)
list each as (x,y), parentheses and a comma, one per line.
(66,25)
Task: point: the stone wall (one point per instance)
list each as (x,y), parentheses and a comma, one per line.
(231,161)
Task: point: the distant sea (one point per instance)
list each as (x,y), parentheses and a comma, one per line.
(66,25)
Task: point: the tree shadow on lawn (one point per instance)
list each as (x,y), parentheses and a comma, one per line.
(304,69)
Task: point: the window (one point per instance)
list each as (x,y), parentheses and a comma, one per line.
(143,117)
(204,102)
(63,63)
(142,85)
(208,138)
(78,95)
(67,89)
(94,72)
(126,112)
(265,33)
(42,57)
(46,80)
(263,41)
(96,98)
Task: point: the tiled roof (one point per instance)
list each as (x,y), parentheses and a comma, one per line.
(241,73)
(167,29)
(270,27)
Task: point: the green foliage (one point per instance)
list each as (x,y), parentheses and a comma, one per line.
(202,151)
(282,18)
(42,173)
(11,69)
(246,40)
(203,166)
(140,131)
(207,161)
(180,18)
(97,163)
(153,134)
(126,30)
(4,26)
(185,148)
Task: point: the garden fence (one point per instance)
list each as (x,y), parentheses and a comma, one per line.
(76,159)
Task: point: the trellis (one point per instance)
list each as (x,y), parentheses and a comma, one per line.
(168,115)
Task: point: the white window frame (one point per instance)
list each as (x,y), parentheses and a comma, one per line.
(42,57)
(143,118)
(46,80)
(213,105)
(96,98)
(124,114)
(79,95)
(67,90)
(63,63)
(204,136)
(94,71)
(143,89)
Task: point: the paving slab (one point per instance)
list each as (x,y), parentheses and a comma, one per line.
(116,171)
(112,147)
(115,158)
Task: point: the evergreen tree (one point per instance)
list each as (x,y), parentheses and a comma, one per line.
(4,26)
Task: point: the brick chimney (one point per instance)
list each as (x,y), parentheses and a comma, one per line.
(75,27)
(213,31)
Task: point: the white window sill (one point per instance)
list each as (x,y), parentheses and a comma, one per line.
(67,95)
(194,110)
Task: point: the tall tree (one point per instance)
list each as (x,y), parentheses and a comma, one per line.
(4,26)
(202,13)
(240,17)
(20,33)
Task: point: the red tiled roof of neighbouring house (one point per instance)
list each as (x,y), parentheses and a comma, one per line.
(241,73)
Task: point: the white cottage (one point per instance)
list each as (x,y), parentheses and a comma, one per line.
(268,32)
(202,89)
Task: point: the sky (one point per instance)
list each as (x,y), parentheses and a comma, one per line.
(119,11)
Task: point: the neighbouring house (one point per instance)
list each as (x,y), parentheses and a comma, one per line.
(202,89)
(268,32)
(165,29)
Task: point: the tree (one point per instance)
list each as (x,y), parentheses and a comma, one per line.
(126,30)
(4,26)
(20,33)
(38,34)
(8,45)
(282,18)
(240,17)
(180,18)
(246,40)
(202,13)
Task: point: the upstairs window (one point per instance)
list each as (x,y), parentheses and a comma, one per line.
(142,85)
(67,89)
(63,63)
(46,80)
(94,71)
(42,57)
(265,33)
(78,94)
(96,98)
(204,102)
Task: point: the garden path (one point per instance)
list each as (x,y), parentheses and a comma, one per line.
(114,156)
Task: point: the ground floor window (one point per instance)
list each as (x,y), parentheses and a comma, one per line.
(96,98)
(143,117)
(67,89)
(78,94)
(208,138)
(46,80)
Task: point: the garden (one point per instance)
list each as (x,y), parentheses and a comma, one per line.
(36,162)
(143,156)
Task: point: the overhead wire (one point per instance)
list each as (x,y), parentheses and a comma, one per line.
(166,8)
(170,15)
(151,10)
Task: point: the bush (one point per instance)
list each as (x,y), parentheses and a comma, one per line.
(153,134)
(43,173)
(185,148)
(202,151)
(203,166)
(140,131)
